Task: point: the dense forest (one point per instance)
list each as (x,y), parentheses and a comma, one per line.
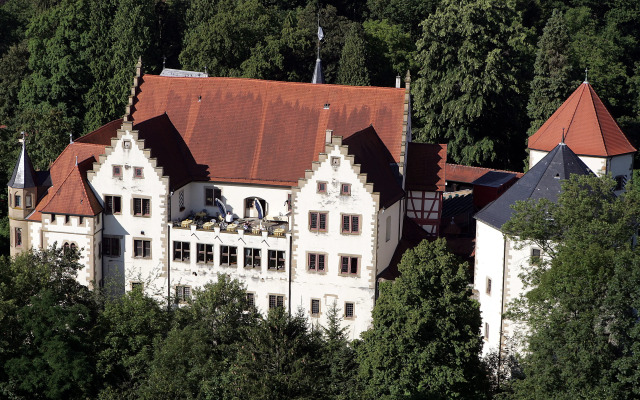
(485,73)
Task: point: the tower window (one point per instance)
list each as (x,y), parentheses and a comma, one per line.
(18,237)
(28,202)
(17,200)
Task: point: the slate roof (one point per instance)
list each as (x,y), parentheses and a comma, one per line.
(374,159)
(24,176)
(426,167)
(589,128)
(265,132)
(494,179)
(542,181)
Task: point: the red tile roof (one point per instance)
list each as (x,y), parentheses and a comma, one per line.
(68,181)
(589,128)
(375,161)
(255,131)
(426,167)
(103,134)
(467,174)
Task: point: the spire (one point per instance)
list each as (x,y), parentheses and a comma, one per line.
(24,176)
(586,75)
(318,76)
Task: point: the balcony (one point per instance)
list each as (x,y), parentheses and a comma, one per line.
(247,226)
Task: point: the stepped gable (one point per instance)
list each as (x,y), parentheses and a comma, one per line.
(589,128)
(542,181)
(267,132)
(170,151)
(62,172)
(426,167)
(374,159)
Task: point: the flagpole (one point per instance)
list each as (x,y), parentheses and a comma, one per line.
(318,31)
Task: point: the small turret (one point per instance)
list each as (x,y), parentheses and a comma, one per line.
(23,194)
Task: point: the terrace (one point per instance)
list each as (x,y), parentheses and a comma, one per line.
(273,226)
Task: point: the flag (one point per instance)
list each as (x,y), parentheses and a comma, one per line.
(320,33)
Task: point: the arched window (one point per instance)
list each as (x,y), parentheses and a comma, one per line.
(250,209)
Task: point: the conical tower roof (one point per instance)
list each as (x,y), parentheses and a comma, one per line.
(24,176)
(589,128)
(318,76)
(543,180)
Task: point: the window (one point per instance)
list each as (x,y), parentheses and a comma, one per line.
(141,207)
(251,300)
(205,253)
(27,201)
(535,255)
(315,307)
(98,219)
(488,285)
(136,286)
(181,251)
(117,171)
(350,224)
(53,218)
(486,331)
(17,201)
(138,172)
(318,221)
(276,260)
(142,248)
(80,220)
(316,262)
(228,255)
(210,196)
(349,310)
(113,204)
(349,265)
(322,187)
(126,144)
(183,293)
(345,189)
(252,258)
(65,247)
(335,161)
(67,219)
(621,181)
(18,237)
(289,199)
(387,234)
(181,200)
(111,246)
(276,300)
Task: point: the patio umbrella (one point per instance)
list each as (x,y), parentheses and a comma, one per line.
(258,207)
(221,207)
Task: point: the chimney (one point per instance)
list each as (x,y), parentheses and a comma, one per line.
(397,81)
(327,135)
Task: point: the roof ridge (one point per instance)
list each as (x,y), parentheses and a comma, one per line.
(595,110)
(573,115)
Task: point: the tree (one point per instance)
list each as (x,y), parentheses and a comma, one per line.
(390,51)
(582,298)
(280,360)
(472,83)
(425,341)
(552,82)
(46,318)
(127,328)
(353,61)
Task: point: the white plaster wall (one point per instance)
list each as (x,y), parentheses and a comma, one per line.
(233,196)
(489,263)
(386,249)
(35,234)
(151,272)
(73,232)
(518,260)
(331,286)
(261,282)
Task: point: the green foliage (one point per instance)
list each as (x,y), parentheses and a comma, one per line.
(390,51)
(471,86)
(581,308)
(552,82)
(425,341)
(353,68)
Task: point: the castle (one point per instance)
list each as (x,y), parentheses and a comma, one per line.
(299,190)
